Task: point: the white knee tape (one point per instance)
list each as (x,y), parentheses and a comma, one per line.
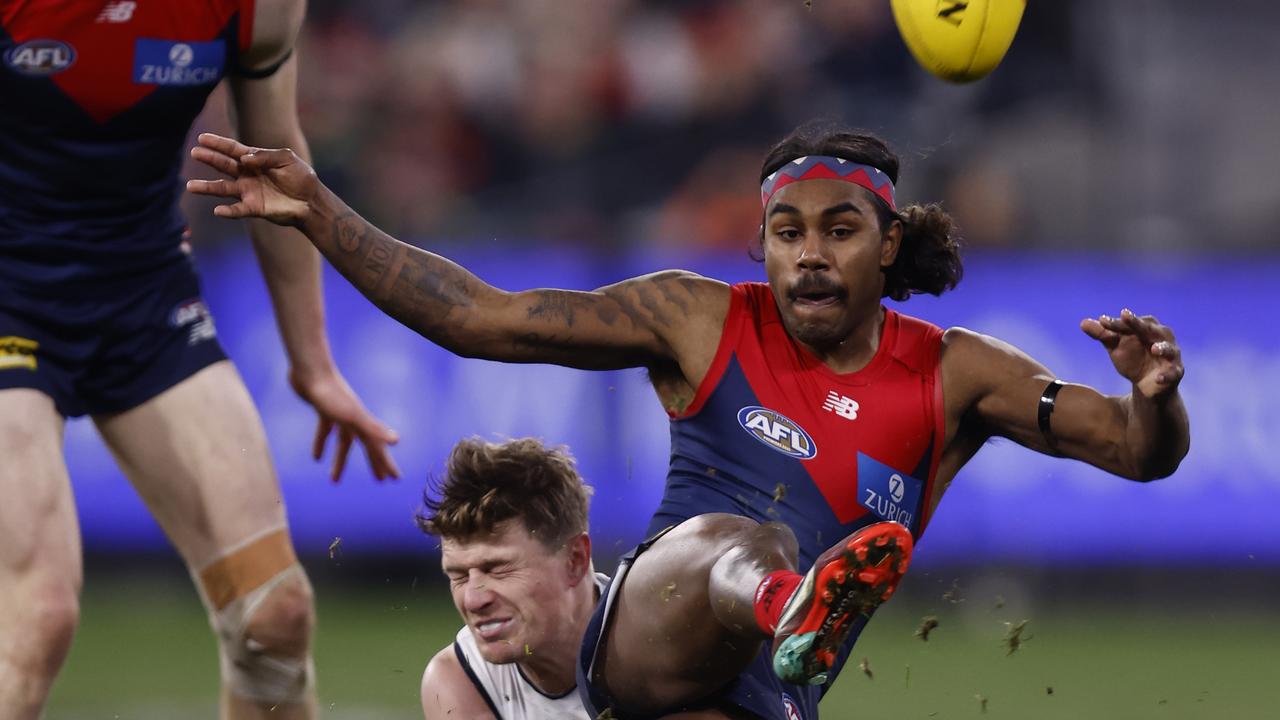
(248,671)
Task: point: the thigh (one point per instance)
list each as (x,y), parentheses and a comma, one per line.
(39,533)
(664,647)
(198,456)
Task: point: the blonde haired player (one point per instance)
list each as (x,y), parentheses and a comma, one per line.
(512,521)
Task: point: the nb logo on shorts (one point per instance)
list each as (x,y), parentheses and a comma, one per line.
(17,352)
(195,315)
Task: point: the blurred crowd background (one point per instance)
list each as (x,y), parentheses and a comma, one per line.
(1144,125)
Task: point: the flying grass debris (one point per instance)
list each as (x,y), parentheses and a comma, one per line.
(668,591)
(952,595)
(927,626)
(865,667)
(1013,638)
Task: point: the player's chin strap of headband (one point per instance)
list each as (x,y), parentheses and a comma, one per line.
(822,167)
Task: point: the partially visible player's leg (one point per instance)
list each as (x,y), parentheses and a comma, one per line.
(198,456)
(40,564)
(693,608)
(684,625)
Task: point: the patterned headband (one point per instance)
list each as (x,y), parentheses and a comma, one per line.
(821,167)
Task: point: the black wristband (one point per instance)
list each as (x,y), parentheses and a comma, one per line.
(1045,409)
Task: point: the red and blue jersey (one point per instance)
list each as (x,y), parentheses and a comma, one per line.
(96,99)
(775,435)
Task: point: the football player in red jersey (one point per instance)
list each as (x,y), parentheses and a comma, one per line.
(101,315)
(801,409)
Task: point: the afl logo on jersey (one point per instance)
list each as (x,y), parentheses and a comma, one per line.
(40,57)
(777,431)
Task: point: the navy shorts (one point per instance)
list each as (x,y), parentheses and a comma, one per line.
(110,352)
(758,691)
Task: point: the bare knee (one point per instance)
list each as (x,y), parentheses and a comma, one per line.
(282,623)
(43,625)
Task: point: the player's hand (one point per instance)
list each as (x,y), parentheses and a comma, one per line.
(339,408)
(1143,350)
(275,185)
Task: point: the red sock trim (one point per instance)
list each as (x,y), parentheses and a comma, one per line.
(771,596)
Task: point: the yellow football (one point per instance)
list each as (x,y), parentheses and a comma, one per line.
(958,40)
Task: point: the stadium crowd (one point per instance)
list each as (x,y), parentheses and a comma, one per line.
(616,122)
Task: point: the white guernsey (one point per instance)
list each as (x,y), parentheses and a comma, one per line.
(509,694)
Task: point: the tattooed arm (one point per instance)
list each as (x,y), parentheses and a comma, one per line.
(657,320)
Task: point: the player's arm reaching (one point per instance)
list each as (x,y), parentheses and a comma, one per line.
(660,321)
(1142,436)
(265,105)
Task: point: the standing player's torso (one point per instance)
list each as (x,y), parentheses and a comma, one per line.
(98,98)
(774,434)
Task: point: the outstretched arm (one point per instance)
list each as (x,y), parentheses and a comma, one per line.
(1142,435)
(265,112)
(646,321)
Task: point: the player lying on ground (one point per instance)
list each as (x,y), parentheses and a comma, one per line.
(101,315)
(802,401)
(512,523)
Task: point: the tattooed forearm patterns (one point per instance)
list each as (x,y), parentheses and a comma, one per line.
(415,287)
(562,305)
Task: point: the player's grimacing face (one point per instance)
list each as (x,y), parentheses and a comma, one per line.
(510,589)
(823,255)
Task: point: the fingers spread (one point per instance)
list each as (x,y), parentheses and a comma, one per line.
(345,438)
(224,145)
(216,188)
(234,211)
(262,159)
(216,160)
(380,461)
(322,435)
(1115,324)
(1096,330)
(376,437)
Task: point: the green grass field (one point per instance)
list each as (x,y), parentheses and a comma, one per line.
(144,653)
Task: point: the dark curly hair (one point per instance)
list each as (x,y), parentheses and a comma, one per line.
(929,259)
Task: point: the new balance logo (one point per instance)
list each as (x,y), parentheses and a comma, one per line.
(118,11)
(845,407)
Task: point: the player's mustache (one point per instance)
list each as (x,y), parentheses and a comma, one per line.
(816,285)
